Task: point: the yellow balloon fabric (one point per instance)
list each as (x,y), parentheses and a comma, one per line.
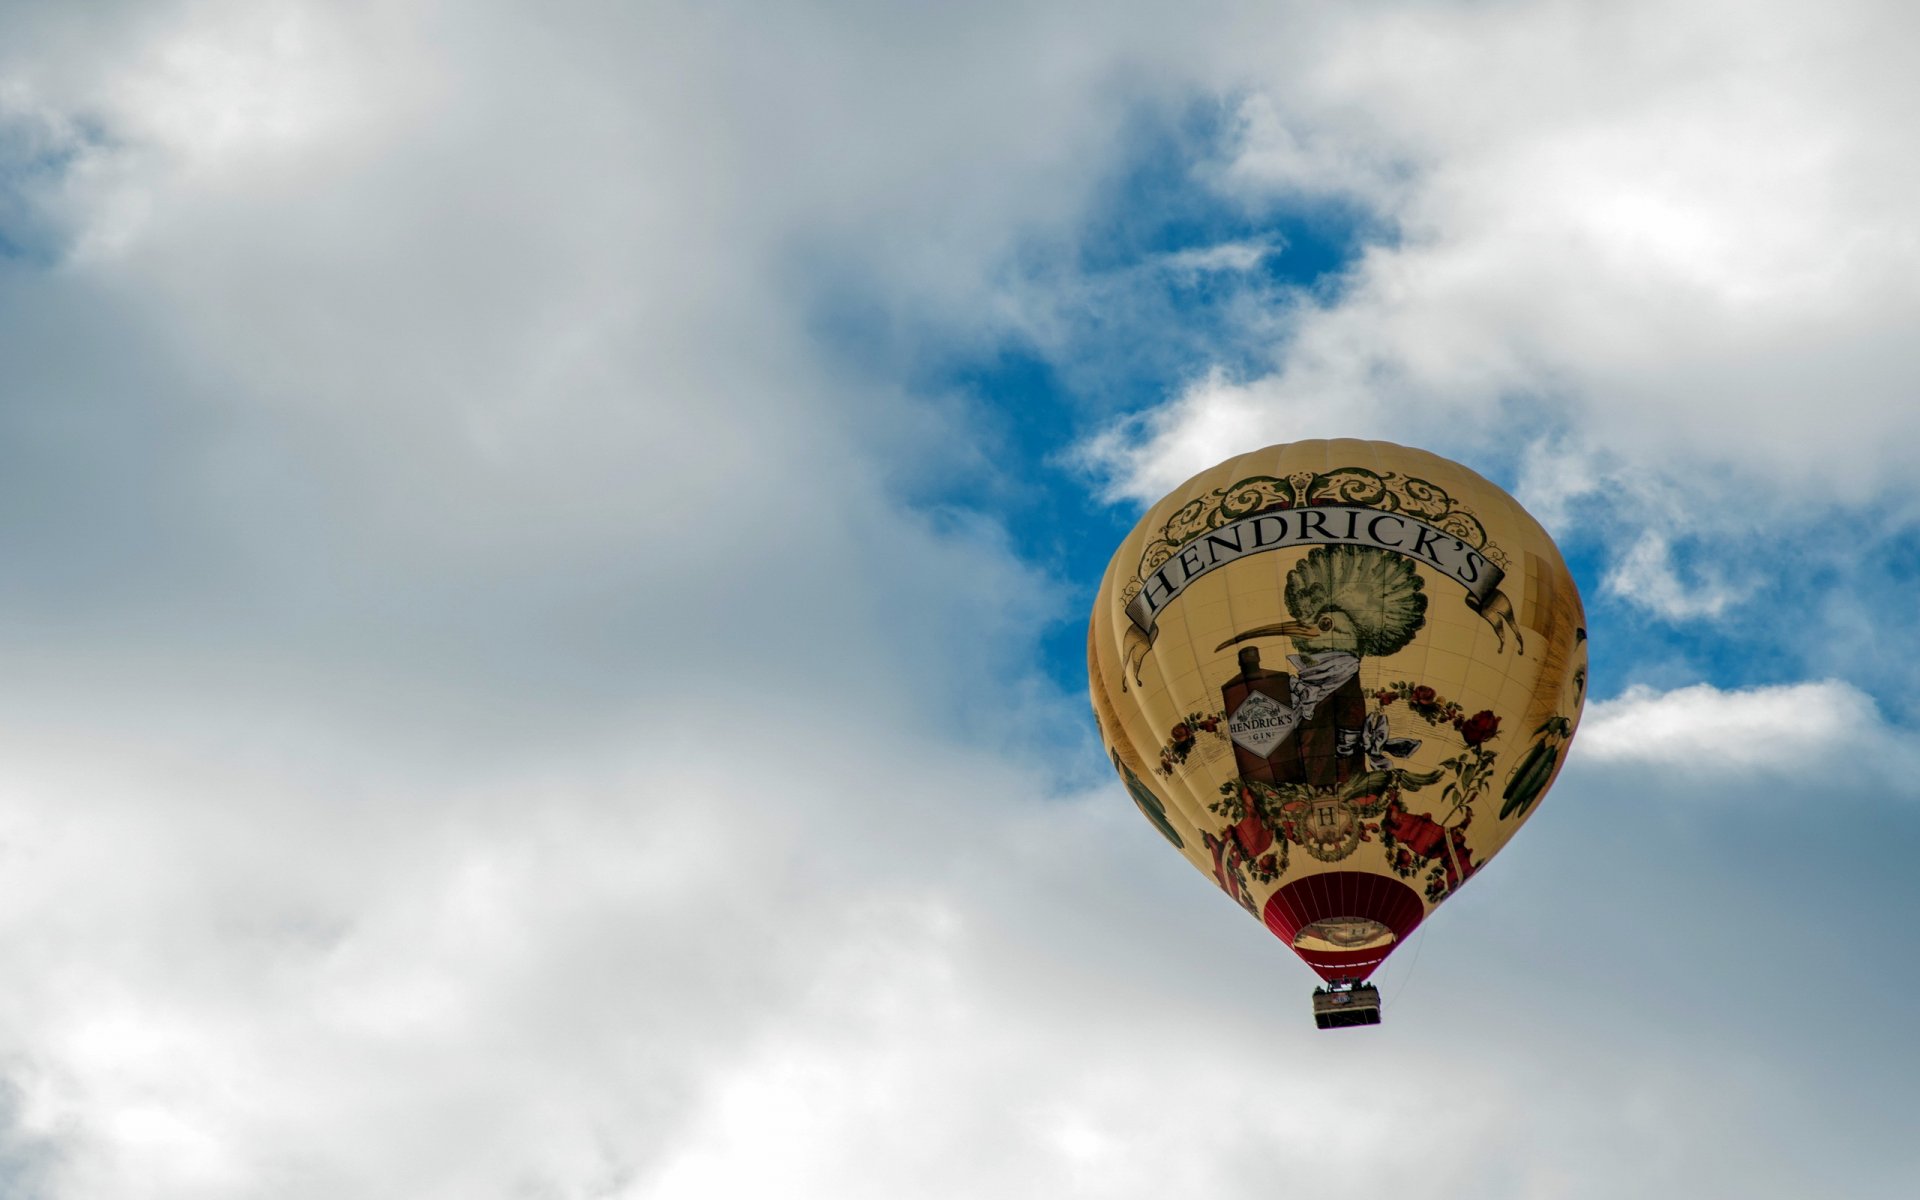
(1337,676)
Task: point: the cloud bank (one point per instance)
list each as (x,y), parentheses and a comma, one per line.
(1800,728)
(486,717)
(1669,243)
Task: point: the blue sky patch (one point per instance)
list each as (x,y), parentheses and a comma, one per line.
(35,156)
(1155,289)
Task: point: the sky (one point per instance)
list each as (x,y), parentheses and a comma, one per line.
(547,549)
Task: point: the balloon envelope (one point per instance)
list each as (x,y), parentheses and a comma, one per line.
(1337,676)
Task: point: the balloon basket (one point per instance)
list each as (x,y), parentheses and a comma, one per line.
(1346,1002)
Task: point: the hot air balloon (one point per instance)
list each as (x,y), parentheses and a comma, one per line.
(1337,676)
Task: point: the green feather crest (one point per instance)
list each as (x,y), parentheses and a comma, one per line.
(1379,591)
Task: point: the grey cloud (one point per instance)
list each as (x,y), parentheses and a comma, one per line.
(481,721)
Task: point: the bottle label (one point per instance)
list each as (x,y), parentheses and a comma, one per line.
(1260,724)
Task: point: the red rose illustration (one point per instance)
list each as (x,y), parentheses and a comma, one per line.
(1385,698)
(1181,733)
(1422,696)
(1479,727)
(1210,723)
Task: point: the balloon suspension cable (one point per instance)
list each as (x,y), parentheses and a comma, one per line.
(1406,981)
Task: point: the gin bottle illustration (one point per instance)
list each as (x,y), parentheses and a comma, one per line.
(1261,720)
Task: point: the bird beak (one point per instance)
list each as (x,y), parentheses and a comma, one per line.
(1283,629)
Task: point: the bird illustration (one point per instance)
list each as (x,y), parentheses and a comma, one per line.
(1355,600)
(1347,602)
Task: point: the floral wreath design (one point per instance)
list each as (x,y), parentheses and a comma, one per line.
(1183,736)
(1417,843)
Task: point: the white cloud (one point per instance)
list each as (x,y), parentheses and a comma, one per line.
(1799,727)
(1554,476)
(1682,255)
(1185,438)
(1242,255)
(473,670)
(1313,158)
(1645,576)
